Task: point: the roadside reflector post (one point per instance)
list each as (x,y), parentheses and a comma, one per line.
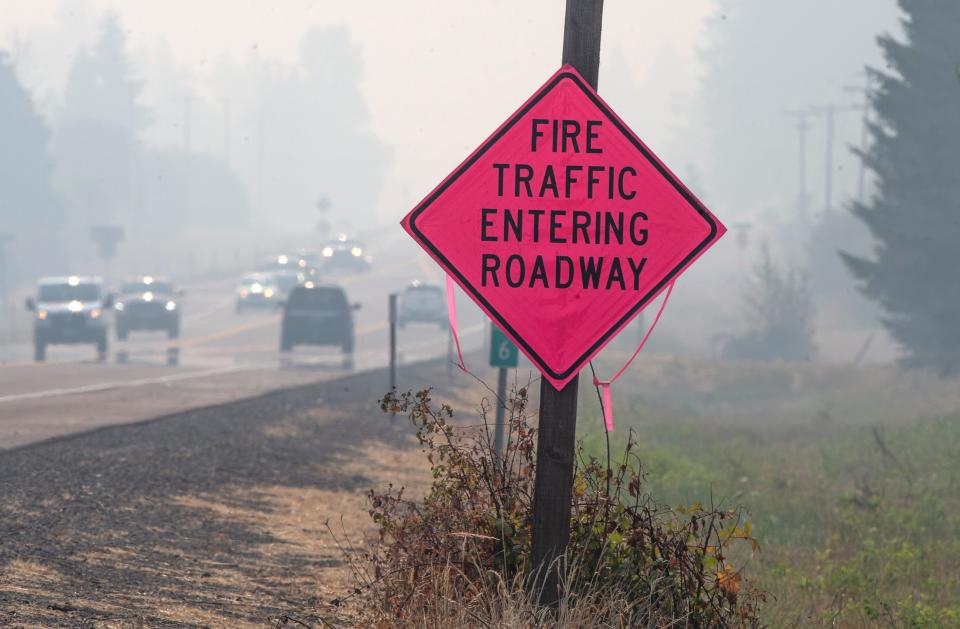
(392,313)
(498,435)
(556,436)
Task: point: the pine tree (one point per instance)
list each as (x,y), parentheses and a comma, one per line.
(102,84)
(914,215)
(25,166)
(30,209)
(96,142)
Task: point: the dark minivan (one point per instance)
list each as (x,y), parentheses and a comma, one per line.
(318,315)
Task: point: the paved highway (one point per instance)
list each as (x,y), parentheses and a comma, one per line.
(222,356)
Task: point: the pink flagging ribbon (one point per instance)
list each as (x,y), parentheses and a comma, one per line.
(605,384)
(607,404)
(452,315)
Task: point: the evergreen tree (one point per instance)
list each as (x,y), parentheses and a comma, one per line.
(102,84)
(914,216)
(310,134)
(96,142)
(29,206)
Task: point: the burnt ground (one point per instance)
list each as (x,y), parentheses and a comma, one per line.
(209,518)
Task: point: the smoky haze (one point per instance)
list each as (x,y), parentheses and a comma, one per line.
(234,388)
(212,146)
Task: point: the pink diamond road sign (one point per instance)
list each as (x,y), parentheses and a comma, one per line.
(562,226)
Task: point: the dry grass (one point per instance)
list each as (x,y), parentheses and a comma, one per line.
(500,605)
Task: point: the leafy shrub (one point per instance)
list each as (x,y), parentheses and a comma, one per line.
(463,551)
(778,312)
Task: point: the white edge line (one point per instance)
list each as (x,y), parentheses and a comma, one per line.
(120,384)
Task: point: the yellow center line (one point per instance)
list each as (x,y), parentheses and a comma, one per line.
(237,329)
(360,331)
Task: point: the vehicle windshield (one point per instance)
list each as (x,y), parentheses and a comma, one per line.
(318,299)
(68,292)
(164,288)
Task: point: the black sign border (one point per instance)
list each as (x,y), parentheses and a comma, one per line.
(680,188)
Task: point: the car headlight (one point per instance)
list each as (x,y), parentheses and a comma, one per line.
(268,293)
(327,252)
(95,313)
(118,306)
(171,305)
(357,252)
(42,314)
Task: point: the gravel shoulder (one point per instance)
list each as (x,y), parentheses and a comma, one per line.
(214,517)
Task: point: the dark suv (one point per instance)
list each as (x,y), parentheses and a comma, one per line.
(69,310)
(318,315)
(147,303)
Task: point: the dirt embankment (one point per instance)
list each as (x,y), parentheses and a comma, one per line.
(209,518)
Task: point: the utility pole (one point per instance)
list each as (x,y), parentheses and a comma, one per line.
(556,437)
(803,125)
(829,113)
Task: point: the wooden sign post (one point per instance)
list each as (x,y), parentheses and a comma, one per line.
(553,488)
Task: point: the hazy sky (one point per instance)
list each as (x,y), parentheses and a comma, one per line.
(438,76)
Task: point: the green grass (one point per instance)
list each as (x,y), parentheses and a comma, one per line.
(851,480)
